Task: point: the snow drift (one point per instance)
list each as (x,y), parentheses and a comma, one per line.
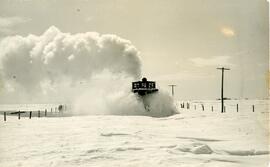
(92,71)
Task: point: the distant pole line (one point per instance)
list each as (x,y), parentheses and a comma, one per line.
(222,89)
(172,89)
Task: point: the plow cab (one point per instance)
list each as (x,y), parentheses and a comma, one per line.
(144,87)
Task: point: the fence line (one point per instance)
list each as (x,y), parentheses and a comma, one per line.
(19,113)
(231,106)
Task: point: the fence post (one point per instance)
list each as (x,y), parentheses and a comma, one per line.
(45,112)
(224,109)
(202,107)
(30,114)
(237,108)
(5,116)
(212,108)
(19,114)
(38,113)
(253,108)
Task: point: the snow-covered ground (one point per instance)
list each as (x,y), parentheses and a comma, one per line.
(193,138)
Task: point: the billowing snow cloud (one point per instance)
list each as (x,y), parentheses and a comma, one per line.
(37,63)
(91,72)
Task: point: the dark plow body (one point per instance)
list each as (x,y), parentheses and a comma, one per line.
(144,88)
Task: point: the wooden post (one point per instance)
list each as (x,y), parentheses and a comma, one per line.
(39,113)
(224,109)
(30,114)
(202,107)
(222,99)
(45,112)
(187,105)
(19,114)
(253,108)
(172,89)
(237,107)
(5,116)
(222,83)
(212,108)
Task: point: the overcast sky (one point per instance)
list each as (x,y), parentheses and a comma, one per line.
(181,42)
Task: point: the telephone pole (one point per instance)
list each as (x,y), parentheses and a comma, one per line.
(222,83)
(172,89)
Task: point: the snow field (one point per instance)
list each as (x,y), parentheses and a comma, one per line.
(190,139)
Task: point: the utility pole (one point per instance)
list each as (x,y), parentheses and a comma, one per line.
(222,83)
(172,89)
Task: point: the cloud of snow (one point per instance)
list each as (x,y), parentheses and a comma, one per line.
(92,71)
(34,61)
(116,98)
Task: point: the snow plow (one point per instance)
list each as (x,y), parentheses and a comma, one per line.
(144,88)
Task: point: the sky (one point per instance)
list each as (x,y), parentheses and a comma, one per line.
(181,42)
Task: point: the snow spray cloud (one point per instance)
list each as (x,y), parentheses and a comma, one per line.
(117,99)
(37,62)
(78,66)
